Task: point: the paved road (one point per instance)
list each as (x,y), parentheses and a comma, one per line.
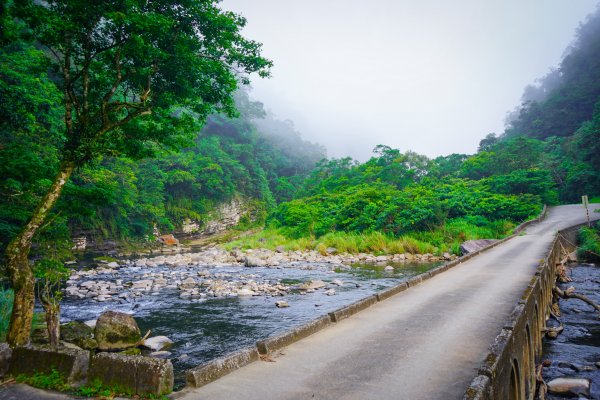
(424,343)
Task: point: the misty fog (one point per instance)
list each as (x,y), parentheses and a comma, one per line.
(430,76)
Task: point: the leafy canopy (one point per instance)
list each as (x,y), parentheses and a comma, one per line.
(140,72)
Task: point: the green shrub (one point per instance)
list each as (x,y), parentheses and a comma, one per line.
(54,380)
(589,244)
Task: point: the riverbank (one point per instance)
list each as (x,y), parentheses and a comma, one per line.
(575,353)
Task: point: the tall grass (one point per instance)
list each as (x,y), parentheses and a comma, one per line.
(444,239)
(343,242)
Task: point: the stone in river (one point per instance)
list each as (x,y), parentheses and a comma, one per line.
(254,262)
(389,268)
(158,343)
(312,285)
(281,304)
(330,292)
(116,330)
(245,292)
(188,283)
(569,386)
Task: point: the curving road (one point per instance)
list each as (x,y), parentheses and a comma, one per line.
(424,343)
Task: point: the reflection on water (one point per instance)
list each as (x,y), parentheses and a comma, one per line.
(205,329)
(577,350)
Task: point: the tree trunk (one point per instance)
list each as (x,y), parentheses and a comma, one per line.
(17,261)
(53,323)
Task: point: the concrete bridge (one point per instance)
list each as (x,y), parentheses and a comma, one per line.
(473,331)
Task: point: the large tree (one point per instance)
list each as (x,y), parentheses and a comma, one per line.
(134,74)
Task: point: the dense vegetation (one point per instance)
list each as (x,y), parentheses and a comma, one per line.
(122,198)
(549,153)
(132,76)
(589,243)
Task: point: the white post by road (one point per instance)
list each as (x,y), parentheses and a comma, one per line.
(584,199)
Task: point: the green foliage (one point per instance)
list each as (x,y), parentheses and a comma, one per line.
(562,112)
(589,244)
(54,380)
(568,95)
(119,198)
(138,74)
(443,239)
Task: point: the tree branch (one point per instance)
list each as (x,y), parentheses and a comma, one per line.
(570,294)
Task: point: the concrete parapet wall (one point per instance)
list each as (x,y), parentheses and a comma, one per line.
(285,339)
(343,313)
(71,364)
(206,373)
(133,374)
(389,292)
(508,371)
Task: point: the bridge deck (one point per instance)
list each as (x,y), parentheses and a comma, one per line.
(424,343)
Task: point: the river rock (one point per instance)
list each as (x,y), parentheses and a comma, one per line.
(570,386)
(472,246)
(245,292)
(158,343)
(389,268)
(312,285)
(281,304)
(188,283)
(116,330)
(254,262)
(78,333)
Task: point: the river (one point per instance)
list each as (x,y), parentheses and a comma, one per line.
(575,353)
(205,328)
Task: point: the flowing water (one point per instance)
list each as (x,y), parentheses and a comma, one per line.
(204,329)
(576,352)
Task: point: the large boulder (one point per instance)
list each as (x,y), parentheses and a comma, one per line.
(252,262)
(472,246)
(79,334)
(116,331)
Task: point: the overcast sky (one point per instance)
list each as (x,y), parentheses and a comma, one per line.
(433,76)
